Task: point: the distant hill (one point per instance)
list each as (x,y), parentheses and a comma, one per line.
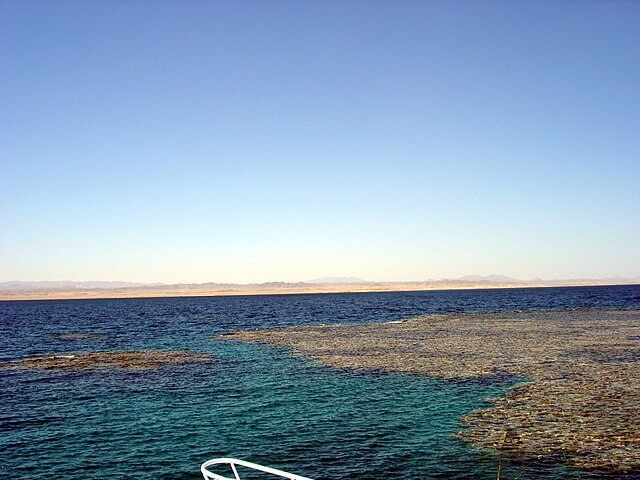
(337,280)
(489,278)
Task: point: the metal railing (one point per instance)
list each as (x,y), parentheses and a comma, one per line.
(208,475)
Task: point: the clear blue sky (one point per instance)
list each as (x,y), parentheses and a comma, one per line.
(253,141)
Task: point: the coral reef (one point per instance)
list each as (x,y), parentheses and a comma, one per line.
(125,359)
(581,399)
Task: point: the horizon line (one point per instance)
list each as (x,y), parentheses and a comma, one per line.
(333,280)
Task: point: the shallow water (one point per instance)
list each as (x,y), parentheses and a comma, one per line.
(253,402)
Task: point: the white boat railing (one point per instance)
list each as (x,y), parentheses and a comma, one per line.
(208,475)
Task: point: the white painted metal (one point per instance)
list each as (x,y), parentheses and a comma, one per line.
(233,462)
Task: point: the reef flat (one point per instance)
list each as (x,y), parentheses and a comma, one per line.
(580,400)
(124,359)
(76,335)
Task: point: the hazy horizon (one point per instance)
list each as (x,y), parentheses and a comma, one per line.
(496,278)
(248,142)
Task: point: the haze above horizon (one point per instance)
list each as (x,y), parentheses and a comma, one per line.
(240,142)
(489,279)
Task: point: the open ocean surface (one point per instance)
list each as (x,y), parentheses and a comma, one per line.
(253,402)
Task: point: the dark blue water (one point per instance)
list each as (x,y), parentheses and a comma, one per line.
(253,402)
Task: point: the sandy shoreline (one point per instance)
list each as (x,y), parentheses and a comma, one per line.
(269,289)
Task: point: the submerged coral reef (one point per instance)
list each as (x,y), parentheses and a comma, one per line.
(125,359)
(579,402)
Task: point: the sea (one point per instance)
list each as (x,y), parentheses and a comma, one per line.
(253,402)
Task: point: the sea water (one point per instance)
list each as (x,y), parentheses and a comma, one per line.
(255,402)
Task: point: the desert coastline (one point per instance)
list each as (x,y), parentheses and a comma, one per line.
(19,291)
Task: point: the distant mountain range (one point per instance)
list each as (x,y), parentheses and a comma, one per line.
(464,281)
(489,278)
(336,280)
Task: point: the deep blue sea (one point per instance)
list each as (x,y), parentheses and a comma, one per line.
(253,402)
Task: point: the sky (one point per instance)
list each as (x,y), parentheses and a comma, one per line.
(231,141)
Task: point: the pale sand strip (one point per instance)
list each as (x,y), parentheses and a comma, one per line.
(278,288)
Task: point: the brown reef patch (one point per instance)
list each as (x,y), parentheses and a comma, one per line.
(581,403)
(124,359)
(76,335)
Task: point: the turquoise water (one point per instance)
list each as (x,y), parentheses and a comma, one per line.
(251,402)
(254,402)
